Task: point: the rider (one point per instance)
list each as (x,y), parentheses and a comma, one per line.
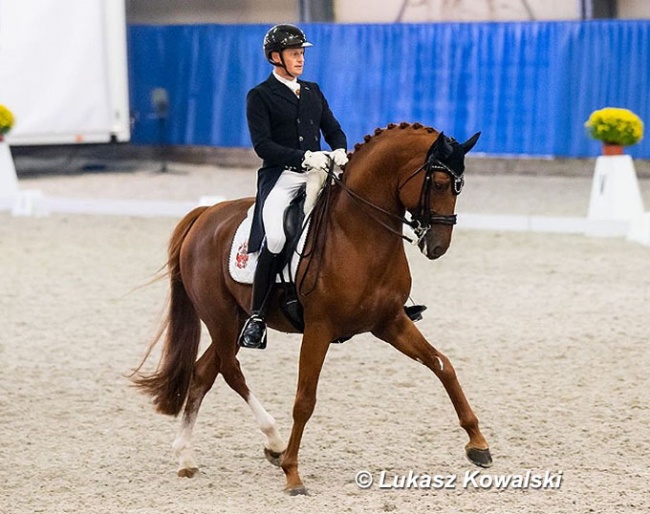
(286,117)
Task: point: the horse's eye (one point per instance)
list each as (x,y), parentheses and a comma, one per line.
(440,186)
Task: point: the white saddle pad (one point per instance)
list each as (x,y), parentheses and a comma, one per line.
(242,264)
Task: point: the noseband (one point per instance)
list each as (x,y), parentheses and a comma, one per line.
(424,217)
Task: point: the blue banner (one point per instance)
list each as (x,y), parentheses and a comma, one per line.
(529,87)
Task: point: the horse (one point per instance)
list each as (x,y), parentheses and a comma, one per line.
(357,280)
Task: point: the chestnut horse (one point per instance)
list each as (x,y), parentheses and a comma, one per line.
(358,282)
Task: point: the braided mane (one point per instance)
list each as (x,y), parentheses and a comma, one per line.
(391,126)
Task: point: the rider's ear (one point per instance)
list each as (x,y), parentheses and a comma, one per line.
(469,144)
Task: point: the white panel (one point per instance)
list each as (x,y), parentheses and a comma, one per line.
(54,71)
(116,52)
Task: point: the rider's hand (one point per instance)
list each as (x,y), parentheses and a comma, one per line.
(316,160)
(339,156)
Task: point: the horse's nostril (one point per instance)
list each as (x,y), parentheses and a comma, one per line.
(438,251)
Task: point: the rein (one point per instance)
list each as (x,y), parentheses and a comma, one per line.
(424,218)
(421,222)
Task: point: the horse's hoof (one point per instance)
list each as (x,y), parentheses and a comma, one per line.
(481,458)
(274,458)
(300,490)
(187,472)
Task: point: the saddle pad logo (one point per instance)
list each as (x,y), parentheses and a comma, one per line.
(241,258)
(242,264)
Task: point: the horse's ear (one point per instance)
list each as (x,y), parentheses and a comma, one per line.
(441,147)
(469,144)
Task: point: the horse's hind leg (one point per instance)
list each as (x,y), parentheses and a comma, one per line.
(274,447)
(206,370)
(222,360)
(232,374)
(231,370)
(404,336)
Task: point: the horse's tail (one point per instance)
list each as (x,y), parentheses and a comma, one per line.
(169,384)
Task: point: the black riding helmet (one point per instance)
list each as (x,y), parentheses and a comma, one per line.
(283,36)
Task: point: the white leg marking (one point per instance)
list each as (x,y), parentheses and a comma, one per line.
(182,445)
(267,425)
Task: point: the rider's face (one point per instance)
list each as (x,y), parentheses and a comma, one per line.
(294,60)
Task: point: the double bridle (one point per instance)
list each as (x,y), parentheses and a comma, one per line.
(421,222)
(424,217)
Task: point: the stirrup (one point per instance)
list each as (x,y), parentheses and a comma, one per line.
(414,312)
(253,334)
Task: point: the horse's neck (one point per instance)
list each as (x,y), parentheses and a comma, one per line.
(361,211)
(355,240)
(375,176)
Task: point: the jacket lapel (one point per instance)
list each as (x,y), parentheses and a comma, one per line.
(281,90)
(304,88)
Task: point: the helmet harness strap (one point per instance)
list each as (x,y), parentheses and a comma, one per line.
(282,64)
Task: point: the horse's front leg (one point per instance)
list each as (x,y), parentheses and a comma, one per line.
(403,335)
(312,355)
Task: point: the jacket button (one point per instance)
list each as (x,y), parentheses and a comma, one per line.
(298,121)
(300,139)
(315,138)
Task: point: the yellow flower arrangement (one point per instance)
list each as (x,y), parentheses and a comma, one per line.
(615,126)
(6,119)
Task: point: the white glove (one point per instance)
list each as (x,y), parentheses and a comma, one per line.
(316,160)
(339,156)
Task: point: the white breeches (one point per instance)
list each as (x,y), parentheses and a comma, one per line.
(284,190)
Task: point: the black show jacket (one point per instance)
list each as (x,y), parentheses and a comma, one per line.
(282,128)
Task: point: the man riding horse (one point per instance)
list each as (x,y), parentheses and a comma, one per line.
(286,117)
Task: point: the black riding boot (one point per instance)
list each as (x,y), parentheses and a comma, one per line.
(414,312)
(253,335)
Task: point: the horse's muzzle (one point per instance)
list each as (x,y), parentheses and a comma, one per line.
(431,249)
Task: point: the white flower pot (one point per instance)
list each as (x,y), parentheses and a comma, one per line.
(8,180)
(615,194)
